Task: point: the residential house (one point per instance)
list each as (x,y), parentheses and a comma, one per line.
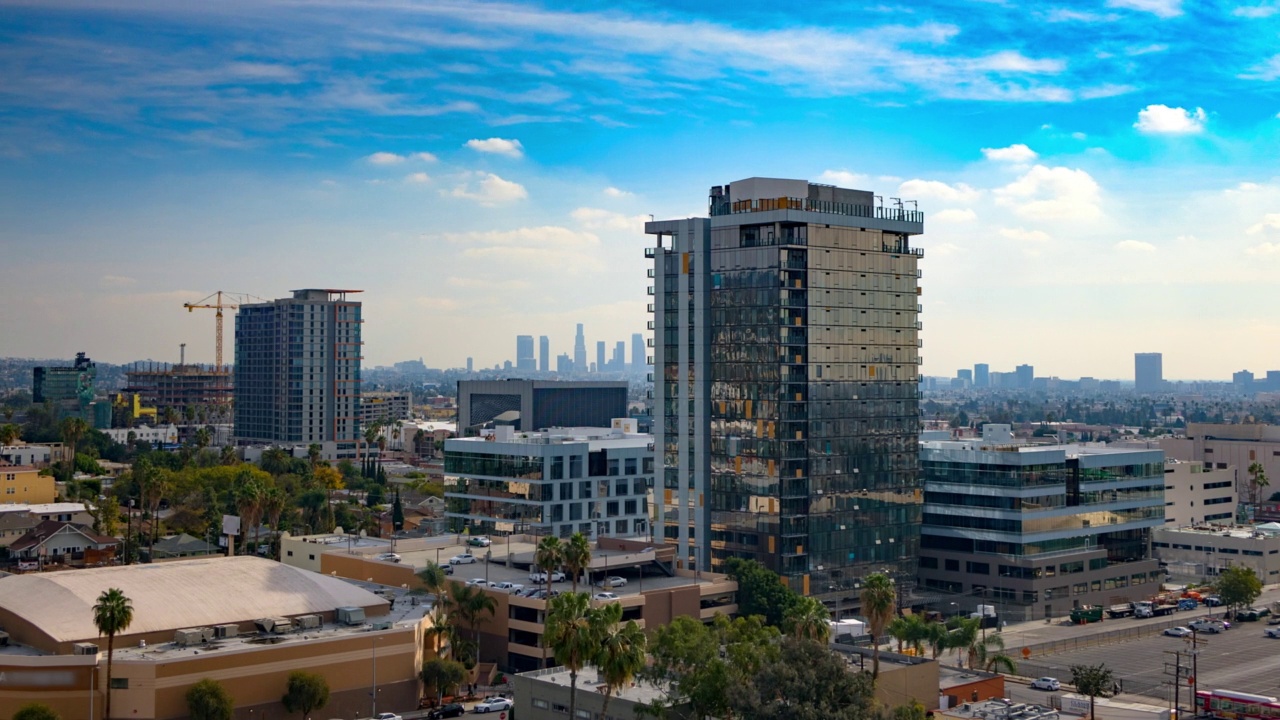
(58,542)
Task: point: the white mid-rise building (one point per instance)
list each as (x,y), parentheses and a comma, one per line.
(1197,493)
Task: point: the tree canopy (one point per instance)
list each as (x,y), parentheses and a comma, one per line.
(761,591)
(305,692)
(1092,680)
(209,700)
(804,681)
(1238,586)
(36,711)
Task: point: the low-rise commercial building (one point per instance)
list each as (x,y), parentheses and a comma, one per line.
(544,695)
(1229,446)
(1038,530)
(595,481)
(162,435)
(1196,492)
(244,622)
(536,404)
(1203,551)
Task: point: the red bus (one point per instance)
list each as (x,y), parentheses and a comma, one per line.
(1232,705)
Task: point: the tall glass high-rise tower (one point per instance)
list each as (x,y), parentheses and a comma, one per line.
(786,367)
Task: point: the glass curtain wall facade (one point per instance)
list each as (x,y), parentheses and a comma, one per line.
(807,324)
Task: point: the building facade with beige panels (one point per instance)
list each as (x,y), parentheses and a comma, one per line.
(1230,446)
(56,656)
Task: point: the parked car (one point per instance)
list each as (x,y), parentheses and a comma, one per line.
(477,582)
(387,557)
(448,710)
(493,704)
(510,587)
(448,569)
(479,541)
(387,716)
(1213,601)
(1272,632)
(1207,625)
(604,596)
(1177,631)
(1046,683)
(613,581)
(463,559)
(539,576)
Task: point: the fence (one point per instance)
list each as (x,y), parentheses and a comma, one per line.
(1035,666)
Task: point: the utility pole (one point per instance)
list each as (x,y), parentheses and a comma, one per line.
(1177,671)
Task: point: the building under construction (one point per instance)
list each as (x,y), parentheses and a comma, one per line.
(205,389)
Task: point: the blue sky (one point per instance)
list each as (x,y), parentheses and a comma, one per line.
(1098,178)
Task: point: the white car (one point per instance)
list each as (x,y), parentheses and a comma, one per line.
(493,704)
(1272,632)
(540,577)
(613,581)
(604,596)
(387,557)
(479,541)
(387,716)
(507,586)
(463,559)
(1177,631)
(1207,626)
(1046,683)
(477,582)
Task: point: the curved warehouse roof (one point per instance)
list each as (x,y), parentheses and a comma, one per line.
(173,595)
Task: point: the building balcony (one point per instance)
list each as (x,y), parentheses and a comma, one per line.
(649,290)
(651,252)
(650,324)
(651,272)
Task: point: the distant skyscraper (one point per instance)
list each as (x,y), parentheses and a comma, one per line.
(1148,372)
(297,373)
(68,389)
(525,361)
(637,353)
(788,420)
(544,354)
(1243,381)
(564,364)
(580,351)
(1026,375)
(965,375)
(599,356)
(981,375)
(470,365)
(619,361)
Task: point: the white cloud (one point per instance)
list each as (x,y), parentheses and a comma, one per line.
(1057,193)
(1079,135)
(1266,71)
(844,179)
(1163,119)
(614,192)
(423,157)
(1256,11)
(498,146)
(1270,221)
(954,215)
(549,245)
(490,189)
(1159,8)
(115,282)
(1135,246)
(937,190)
(1065,15)
(418,177)
(1024,235)
(384,158)
(597,219)
(945,249)
(1265,248)
(1014,153)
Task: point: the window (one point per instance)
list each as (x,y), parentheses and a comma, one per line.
(613,466)
(928,563)
(119,683)
(977,568)
(312,557)
(557,707)
(290,553)
(542,704)
(953,565)
(629,466)
(620,487)
(557,468)
(639,486)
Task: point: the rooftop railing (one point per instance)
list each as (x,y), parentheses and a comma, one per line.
(822,206)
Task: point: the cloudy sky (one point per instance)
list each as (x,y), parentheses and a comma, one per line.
(1098,178)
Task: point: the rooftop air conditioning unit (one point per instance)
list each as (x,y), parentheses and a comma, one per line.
(187,637)
(307,622)
(226,631)
(85,649)
(350,615)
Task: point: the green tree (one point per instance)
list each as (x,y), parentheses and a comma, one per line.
(879,601)
(911,711)
(305,692)
(329,479)
(36,711)
(441,674)
(397,513)
(760,591)
(1094,681)
(548,556)
(937,635)
(702,665)
(273,504)
(9,433)
(992,657)
(573,632)
(1238,586)
(1257,481)
(275,460)
(112,614)
(576,557)
(73,429)
(209,700)
(965,638)
(808,618)
(621,655)
(471,604)
(807,681)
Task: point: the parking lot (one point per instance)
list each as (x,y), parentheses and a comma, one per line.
(1241,659)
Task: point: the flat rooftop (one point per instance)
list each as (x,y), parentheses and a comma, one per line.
(1243,532)
(639,691)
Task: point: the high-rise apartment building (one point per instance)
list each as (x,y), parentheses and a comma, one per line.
(297,373)
(600,356)
(787,368)
(1148,372)
(1026,375)
(637,353)
(981,375)
(69,388)
(580,351)
(525,361)
(619,361)
(544,353)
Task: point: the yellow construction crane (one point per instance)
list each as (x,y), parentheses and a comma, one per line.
(216,302)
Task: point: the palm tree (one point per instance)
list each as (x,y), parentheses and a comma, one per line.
(273,505)
(228,456)
(73,430)
(275,460)
(621,653)
(576,557)
(1257,481)
(471,604)
(809,618)
(992,658)
(965,638)
(898,630)
(938,637)
(433,580)
(9,433)
(574,632)
(248,500)
(203,437)
(548,556)
(879,600)
(313,455)
(330,479)
(113,613)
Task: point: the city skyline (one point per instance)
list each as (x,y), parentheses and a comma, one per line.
(1091,177)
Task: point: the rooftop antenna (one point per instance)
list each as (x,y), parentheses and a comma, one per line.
(182,354)
(914,205)
(879,200)
(897,201)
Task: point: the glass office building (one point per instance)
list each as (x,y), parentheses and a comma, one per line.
(786,335)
